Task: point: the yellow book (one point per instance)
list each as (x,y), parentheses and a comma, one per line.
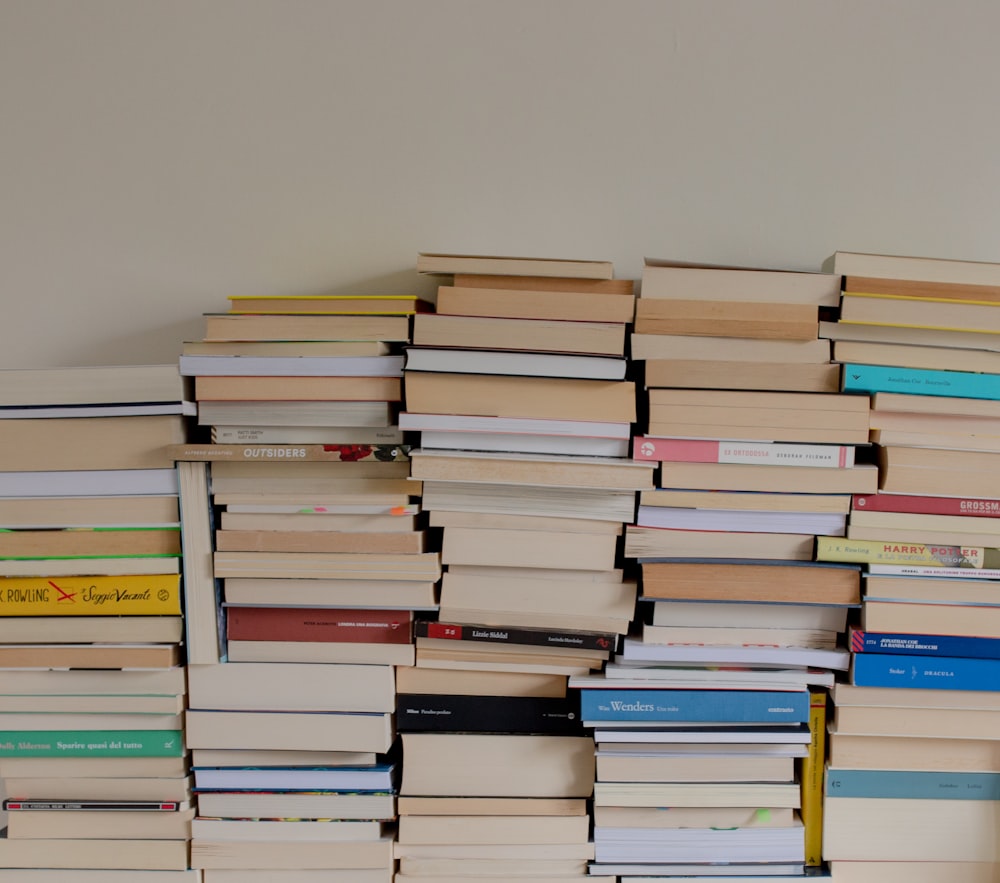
(130,595)
(811,780)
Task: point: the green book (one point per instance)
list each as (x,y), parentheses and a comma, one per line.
(91,743)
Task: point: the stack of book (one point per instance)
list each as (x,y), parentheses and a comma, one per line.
(757,455)
(517,386)
(313,563)
(92,756)
(913,773)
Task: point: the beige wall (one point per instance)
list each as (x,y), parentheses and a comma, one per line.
(159,155)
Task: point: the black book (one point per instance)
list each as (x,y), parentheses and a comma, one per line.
(452,713)
(534,637)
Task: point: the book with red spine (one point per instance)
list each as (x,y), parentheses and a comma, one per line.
(319,624)
(926,504)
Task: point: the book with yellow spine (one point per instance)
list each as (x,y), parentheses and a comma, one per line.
(129,595)
(811,780)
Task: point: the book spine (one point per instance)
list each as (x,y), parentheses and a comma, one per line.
(91,743)
(920,381)
(487,714)
(680,450)
(920,554)
(131,595)
(923,673)
(924,505)
(319,625)
(913,784)
(305,453)
(527,636)
(811,780)
(987,573)
(12,805)
(749,706)
(924,645)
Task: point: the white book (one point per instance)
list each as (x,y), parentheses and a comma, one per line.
(306,435)
(150,409)
(89,483)
(748,521)
(529,425)
(525,443)
(295,413)
(291,366)
(639,652)
(529,364)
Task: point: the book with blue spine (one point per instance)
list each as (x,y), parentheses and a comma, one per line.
(913,784)
(924,672)
(924,645)
(723,706)
(920,381)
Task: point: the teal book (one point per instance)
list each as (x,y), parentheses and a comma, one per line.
(920,381)
(91,743)
(913,784)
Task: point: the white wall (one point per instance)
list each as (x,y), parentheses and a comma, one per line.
(159,155)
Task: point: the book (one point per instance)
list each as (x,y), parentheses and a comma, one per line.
(523,282)
(729,677)
(920,381)
(81,630)
(153,594)
(222,326)
(918,269)
(918,288)
(450,712)
(716,635)
(536,335)
(923,503)
(635,652)
(852,751)
(105,854)
(762,477)
(104,511)
(912,784)
(742,501)
(291,366)
(912,871)
(286,348)
(291,687)
(921,672)
(288,875)
(523,443)
(752,580)
(940,358)
(513,362)
(719,318)
(537,637)
(305,731)
(940,589)
(92,704)
(154,793)
(297,805)
(477,547)
(94,824)
(410,421)
(90,542)
(684,767)
(740,521)
(325,388)
(497,765)
(455,682)
(82,767)
(443,264)
(699,844)
(654,818)
(320,541)
(661,705)
(319,625)
(492,395)
(680,279)
(265,757)
(94,742)
(938,406)
(377,777)
(811,780)
(935,619)
(306,435)
(758,416)
(905,469)
(704,735)
(919,313)
(106,443)
(908,336)
(911,534)
(95,655)
(652,543)
(689,348)
(329,304)
(492,806)
(296,413)
(500,829)
(328,565)
(598,504)
(688,450)
(277,854)
(837,549)
(539,471)
(305,453)
(748,614)
(698,794)
(902,829)
(391,593)
(56,682)
(730,374)
(459,300)
(285,830)
(90,385)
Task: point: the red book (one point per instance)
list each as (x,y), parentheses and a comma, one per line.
(927,505)
(319,625)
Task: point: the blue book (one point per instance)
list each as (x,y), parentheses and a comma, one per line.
(717,706)
(913,784)
(925,672)
(924,645)
(920,381)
